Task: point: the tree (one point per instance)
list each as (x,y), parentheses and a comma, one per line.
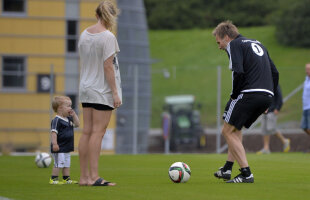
(293,25)
(186,14)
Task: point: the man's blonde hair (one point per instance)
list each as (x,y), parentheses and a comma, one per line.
(58,101)
(226,28)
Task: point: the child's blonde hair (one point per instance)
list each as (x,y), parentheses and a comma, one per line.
(58,101)
(107,13)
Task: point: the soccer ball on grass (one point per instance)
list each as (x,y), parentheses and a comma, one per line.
(43,160)
(179,172)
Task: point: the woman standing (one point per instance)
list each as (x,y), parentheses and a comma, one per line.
(100,89)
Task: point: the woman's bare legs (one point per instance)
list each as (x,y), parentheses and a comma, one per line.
(83,146)
(101,120)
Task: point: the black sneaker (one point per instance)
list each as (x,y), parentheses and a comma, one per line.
(242,179)
(226,175)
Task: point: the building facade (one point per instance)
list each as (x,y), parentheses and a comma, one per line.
(38,59)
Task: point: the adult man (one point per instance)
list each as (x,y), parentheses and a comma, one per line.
(269,124)
(254,79)
(305,122)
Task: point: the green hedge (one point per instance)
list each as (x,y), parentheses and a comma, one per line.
(291,17)
(293,24)
(187,14)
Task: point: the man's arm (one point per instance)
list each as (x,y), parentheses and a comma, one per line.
(237,84)
(278,98)
(236,61)
(275,74)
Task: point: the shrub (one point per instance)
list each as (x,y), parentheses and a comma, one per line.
(187,14)
(293,25)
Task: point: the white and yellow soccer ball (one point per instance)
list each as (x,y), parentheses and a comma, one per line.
(43,160)
(179,172)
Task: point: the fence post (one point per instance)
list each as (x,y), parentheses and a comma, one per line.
(218,110)
(166,127)
(135,110)
(51,94)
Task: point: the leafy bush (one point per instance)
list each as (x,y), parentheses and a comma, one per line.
(184,14)
(293,25)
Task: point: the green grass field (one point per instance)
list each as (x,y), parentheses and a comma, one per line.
(195,55)
(277,176)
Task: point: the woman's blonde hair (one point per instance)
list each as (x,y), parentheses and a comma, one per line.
(226,28)
(58,101)
(107,13)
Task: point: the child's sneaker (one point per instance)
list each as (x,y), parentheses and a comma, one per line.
(55,182)
(69,181)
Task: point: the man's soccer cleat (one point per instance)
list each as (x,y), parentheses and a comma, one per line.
(242,179)
(55,182)
(287,146)
(226,175)
(263,151)
(69,181)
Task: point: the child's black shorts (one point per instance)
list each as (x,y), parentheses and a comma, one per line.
(244,110)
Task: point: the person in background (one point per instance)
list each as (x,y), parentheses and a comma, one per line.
(100,89)
(62,137)
(305,122)
(269,124)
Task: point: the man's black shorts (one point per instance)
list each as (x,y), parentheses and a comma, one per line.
(244,110)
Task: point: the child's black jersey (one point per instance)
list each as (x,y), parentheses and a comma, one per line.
(65,133)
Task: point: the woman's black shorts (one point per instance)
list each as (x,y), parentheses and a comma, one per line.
(97,106)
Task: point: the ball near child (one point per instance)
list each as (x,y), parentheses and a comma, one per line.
(179,172)
(43,160)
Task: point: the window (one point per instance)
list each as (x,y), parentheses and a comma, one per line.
(71,45)
(71,29)
(13,73)
(14,6)
(72,36)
